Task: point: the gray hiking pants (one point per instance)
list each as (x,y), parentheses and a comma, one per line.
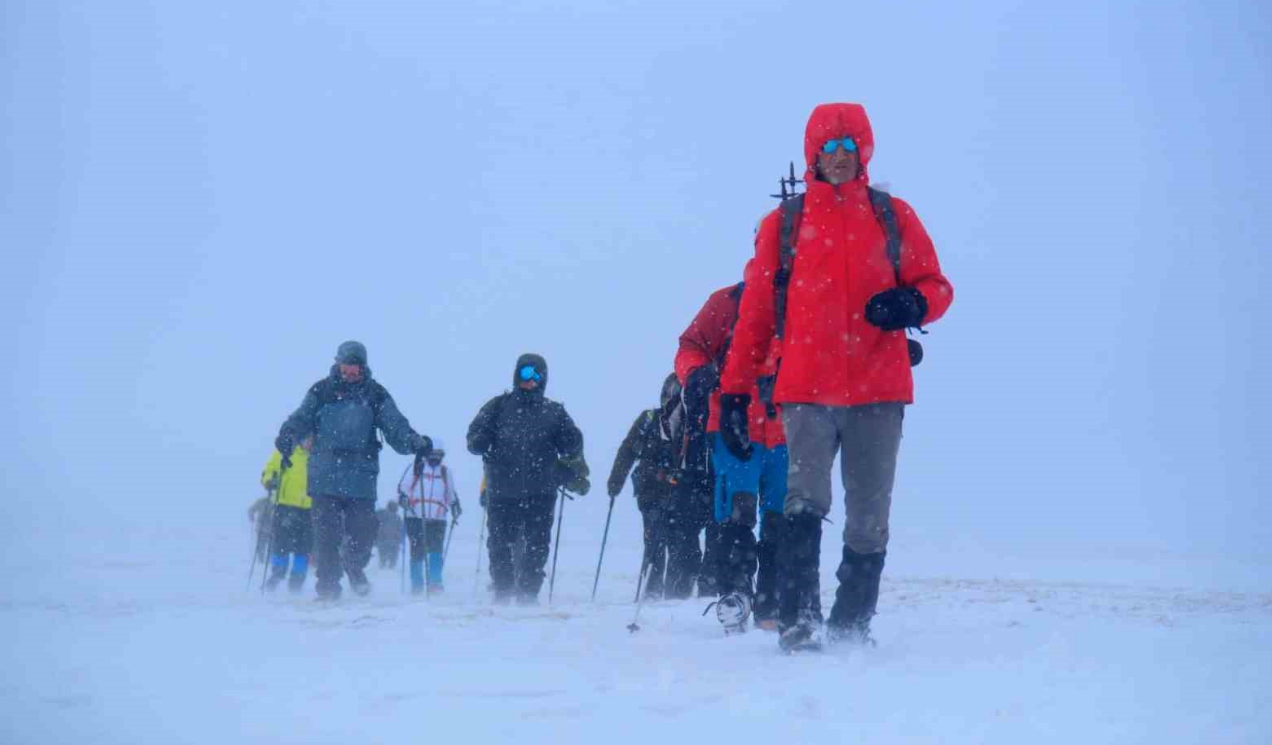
(867,439)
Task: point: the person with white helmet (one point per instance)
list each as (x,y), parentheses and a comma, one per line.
(428,497)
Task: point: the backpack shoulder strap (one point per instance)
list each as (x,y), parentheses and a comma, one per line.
(792,209)
(881,201)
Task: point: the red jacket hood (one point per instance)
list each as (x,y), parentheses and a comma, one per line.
(831,121)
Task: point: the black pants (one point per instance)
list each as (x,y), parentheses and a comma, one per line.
(335,519)
(772,526)
(293,530)
(654,516)
(389,554)
(736,557)
(687,514)
(426,536)
(510,520)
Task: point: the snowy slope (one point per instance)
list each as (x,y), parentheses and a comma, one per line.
(133,650)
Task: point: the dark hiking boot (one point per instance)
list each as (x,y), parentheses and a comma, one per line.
(855,634)
(805,635)
(327,593)
(856,598)
(358,582)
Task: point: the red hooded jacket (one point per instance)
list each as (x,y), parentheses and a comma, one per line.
(830,354)
(704,342)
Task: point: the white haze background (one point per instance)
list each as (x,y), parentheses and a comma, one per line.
(199,201)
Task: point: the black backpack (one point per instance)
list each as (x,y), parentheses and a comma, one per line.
(792,208)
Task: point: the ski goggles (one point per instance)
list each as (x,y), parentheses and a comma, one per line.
(846,143)
(529,373)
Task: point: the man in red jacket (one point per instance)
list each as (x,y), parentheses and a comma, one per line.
(739,487)
(845,378)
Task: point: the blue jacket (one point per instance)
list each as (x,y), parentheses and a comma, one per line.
(343,418)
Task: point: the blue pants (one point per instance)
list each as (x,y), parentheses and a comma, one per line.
(764,475)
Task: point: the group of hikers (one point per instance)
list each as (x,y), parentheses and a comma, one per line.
(807,358)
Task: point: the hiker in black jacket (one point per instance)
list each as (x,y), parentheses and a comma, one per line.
(651,446)
(530,447)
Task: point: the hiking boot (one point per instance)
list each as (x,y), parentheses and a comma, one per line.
(358,582)
(806,635)
(856,634)
(857,595)
(733,611)
(327,593)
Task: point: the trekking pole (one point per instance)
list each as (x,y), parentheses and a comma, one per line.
(402,556)
(257,529)
(604,539)
(640,598)
(556,549)
(449,535)
(273,529)
(481,538)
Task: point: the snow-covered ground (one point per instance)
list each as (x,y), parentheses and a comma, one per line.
(152,644)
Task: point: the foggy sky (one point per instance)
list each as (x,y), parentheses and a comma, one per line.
(199,202)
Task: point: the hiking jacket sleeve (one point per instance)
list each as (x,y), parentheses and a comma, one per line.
(569,437)
(304,420)
(272,468)
(452,494)
(704,340)
(920,268)
(397,430)
(754,331)
(627,454)
(481,432)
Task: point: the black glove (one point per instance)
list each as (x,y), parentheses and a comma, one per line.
(456,511)
(404,501)
(285,445)
(574,473)
(425,447)
(896,309)
(698,387)
(614,487)
(733,424)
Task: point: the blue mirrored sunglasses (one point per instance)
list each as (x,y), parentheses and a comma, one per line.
(529,373)
(833,145)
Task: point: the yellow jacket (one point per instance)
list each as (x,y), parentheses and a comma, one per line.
(294,492)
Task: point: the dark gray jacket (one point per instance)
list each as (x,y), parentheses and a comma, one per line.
(343,418)
(525,440)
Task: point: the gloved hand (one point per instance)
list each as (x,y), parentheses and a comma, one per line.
(404,501)
(614,487)
(698,387)
(896,309)
(733,424)
(285,445)
(456,510)
(424,448)
(574,473)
